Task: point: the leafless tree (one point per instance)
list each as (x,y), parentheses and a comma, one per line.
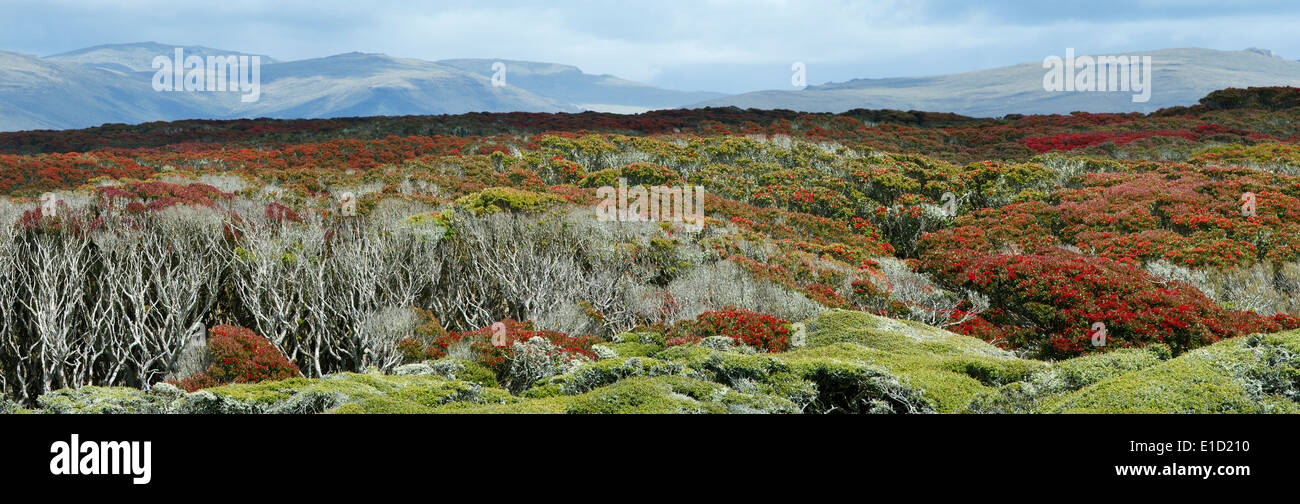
(711,286)
(186,264)
(54,274)
(927,302)
(11,349)
(271,274)
(107,309)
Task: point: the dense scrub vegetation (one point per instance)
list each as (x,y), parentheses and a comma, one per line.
(852,362)
(476,267)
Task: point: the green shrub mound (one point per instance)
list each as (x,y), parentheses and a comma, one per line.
(506,199)
(1252,374)
(852,362)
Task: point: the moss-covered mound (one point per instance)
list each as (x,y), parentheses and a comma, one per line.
(1252,374)
(852,362)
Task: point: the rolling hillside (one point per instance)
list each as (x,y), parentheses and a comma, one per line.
(1179,77)
(113,84)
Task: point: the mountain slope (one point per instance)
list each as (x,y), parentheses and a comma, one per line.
(601,93)
(113,84)
(138,57)
(358,84)
(43,94)
(1179,77)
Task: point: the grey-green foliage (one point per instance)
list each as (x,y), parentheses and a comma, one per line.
(722,283)
(926,301)
(1277,371)
(535,359)
(382,329)
(589,376)
(162,398)
(1264,287)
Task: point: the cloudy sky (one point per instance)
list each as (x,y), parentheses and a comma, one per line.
(718,45)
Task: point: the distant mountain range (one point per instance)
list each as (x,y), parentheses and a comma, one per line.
(1179,77)
(113,84)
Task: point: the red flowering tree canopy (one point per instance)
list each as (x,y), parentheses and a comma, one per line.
(757,330)
(240,356)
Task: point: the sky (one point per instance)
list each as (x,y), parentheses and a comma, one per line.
(728,46)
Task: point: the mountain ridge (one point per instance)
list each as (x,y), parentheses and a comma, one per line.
(1180,76)
(112,83)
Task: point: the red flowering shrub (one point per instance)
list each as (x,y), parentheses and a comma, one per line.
(239,356)
(414,351)
(429,326)
(688,339)
(1050,300)
(1188,215)
(156,195)
(1286,322)
(650,174)
(763,332)
(199,380)
(1071,141)
(492,353)
(825,295)
(280,213)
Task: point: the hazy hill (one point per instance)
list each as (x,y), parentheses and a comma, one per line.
(38,93)
(357,84)
(113,84)
(601,93)
(138,57)
(1179,77)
